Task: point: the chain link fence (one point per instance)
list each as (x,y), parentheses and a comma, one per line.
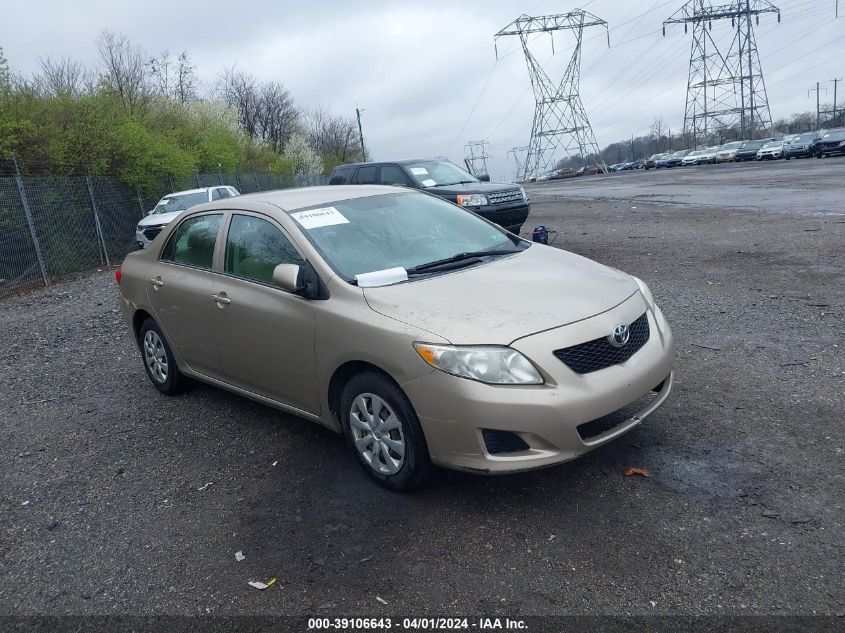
(51,226)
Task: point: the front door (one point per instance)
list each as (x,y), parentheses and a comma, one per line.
(265,335)
(180,287)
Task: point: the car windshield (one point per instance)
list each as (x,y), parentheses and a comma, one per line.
(438,173)
(180,202)
(695,153)
(752,145)
(733,145)
(773,144)
(407,229)
(834,136)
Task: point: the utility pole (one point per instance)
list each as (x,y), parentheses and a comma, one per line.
(476,154)
(817,90)
(633,157)
(358,112)
(835,82)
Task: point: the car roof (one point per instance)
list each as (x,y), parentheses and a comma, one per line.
(187,191)
(292,199)
(404,161)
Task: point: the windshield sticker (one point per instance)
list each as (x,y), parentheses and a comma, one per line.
(384,277)
(316,218)
(419,171)
(428,182)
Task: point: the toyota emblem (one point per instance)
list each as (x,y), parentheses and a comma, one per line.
(619,336)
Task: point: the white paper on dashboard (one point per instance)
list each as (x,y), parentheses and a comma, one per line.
(316,218)
(429,182)
(384,277)
(419,171)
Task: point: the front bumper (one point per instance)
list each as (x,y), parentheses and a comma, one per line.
(454,411)
(506,215)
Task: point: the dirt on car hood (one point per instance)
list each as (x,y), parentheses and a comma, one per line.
(505,299)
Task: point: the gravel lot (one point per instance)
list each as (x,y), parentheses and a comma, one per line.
(115,499)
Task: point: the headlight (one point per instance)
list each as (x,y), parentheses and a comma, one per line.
(522,191)
(472,200)
(646,293)
(139,228)
(491,364)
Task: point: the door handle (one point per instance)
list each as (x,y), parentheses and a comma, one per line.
(221,299)
(156,282)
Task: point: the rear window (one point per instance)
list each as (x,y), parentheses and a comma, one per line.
(340,176)
(193,242)
(366,175)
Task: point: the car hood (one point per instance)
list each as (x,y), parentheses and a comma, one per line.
(159,219)
(471,187)
(506,299)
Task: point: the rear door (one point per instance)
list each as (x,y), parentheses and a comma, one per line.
(179,290)
(265,335)
(367,175)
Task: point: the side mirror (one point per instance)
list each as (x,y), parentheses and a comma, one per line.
(484,177)
(288,277)
(150,212)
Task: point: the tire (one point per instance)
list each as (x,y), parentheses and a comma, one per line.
(413,467)
(158,359)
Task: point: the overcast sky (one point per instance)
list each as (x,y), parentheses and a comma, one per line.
(426,73)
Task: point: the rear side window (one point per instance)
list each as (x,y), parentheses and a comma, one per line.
(220,193)
(341,176)
(254,247)
(366,175)
(193,242)
(393,175)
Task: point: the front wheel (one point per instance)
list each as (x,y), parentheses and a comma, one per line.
(383,431)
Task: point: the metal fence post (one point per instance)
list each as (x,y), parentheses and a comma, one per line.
(170,179)
(238,179)
(101,241)
(29,221)
(219,173)
(141,204)
(198,180)
(257,185)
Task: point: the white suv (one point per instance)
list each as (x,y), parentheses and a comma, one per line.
(171,205)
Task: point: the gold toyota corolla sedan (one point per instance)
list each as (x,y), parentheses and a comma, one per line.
(422,332)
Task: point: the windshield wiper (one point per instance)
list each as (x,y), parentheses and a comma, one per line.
(449,184)
(460,257)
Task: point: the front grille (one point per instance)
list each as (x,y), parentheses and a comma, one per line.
(599,353)
(151,231)
(595,429)
(500,197)
(498,442)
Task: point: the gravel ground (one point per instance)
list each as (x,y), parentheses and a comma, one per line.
(117,500)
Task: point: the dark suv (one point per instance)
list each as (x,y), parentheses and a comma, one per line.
(502,203)
(830,144)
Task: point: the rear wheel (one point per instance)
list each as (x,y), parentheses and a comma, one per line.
(158,359)
(383,431)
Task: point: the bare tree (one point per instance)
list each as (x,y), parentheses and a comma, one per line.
(658,130)
(185,83)
(5,76)
(266,111)
(125,71)
(159,70)
(277,114)
(63,77)
(333,135)
(240,91)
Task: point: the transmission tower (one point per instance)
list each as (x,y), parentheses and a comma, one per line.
(476,154)
(519,155)
(724,92)
(560,123)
